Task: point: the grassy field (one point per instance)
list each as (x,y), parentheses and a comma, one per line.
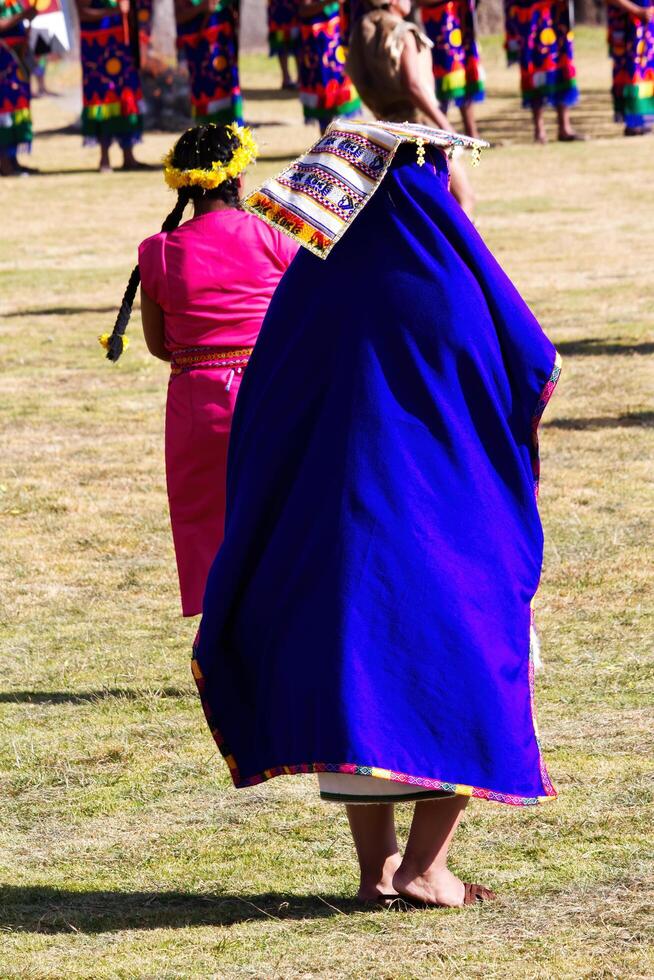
(124,852)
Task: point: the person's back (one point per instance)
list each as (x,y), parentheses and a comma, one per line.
(214,277)
(374,57)
(205,289)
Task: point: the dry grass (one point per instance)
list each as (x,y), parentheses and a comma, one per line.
(124,853)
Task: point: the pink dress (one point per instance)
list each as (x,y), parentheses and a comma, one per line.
(213,277)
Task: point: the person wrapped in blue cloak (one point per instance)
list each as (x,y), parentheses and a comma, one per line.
(368,617)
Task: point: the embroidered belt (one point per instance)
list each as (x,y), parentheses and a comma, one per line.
(193,358)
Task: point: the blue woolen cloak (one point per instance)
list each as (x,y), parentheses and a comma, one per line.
(369,610)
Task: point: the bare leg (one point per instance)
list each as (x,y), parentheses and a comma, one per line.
(469,121)
(567,133)
(540,133)
(373,831)
(424,874)
(105,163)
(7,165)
(129,160)
(287,81)
(461,187)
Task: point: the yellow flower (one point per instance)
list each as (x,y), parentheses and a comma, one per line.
(218,173)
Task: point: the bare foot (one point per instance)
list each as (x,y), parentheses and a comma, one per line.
(373,891)
(434,888)
(571,136)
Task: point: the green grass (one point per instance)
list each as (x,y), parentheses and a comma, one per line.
(124,852)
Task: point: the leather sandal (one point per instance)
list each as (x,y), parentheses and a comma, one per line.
(477,893)
(472,894)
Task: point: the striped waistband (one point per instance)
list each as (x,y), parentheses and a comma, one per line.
(193,358)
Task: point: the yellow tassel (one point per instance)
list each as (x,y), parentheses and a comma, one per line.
(103,340)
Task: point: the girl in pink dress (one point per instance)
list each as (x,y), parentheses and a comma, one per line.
(205,288)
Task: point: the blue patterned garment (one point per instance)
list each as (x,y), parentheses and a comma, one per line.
(369,610)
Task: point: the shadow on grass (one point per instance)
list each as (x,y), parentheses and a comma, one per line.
(64,310)
(86,697)
(269,95)
(37,909)
(593,117)
(595,346)
(628,420)
(72,129)
(142,168)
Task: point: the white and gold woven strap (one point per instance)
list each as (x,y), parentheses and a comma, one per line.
(316,198)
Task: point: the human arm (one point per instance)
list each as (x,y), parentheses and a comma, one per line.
(424,99)
(152,318)
(420,96)
(642,13)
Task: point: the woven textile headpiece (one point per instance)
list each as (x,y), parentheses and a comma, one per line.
(317,198)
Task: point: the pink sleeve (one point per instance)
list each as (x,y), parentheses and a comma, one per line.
(152,267)
(287,249)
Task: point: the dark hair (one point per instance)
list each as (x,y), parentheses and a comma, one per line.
(198,147)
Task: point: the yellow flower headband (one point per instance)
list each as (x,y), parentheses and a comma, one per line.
(243,155)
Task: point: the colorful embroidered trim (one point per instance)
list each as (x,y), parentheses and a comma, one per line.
(317,198)
(458,789)
(545,396)
(534,645)
(191,358)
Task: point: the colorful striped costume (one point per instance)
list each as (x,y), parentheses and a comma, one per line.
(112,97)
(539,38)
(209,45)
(15,115)
(283,27)
(451,27)
(325,89)
(631,46)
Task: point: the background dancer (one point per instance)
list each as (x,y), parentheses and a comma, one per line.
(207,39)
(283,36)
(451,26)
(539,37)
(391,64)
(631,46)
(325,89)
(112,96)
(15,114)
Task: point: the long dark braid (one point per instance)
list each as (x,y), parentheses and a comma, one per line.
(198,147)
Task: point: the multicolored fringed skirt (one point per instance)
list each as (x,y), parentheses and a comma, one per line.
(631,46)
(326,91)
(451,27)
(539,37)
(15,115)
(283,27)
(209,45)
(111,87)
